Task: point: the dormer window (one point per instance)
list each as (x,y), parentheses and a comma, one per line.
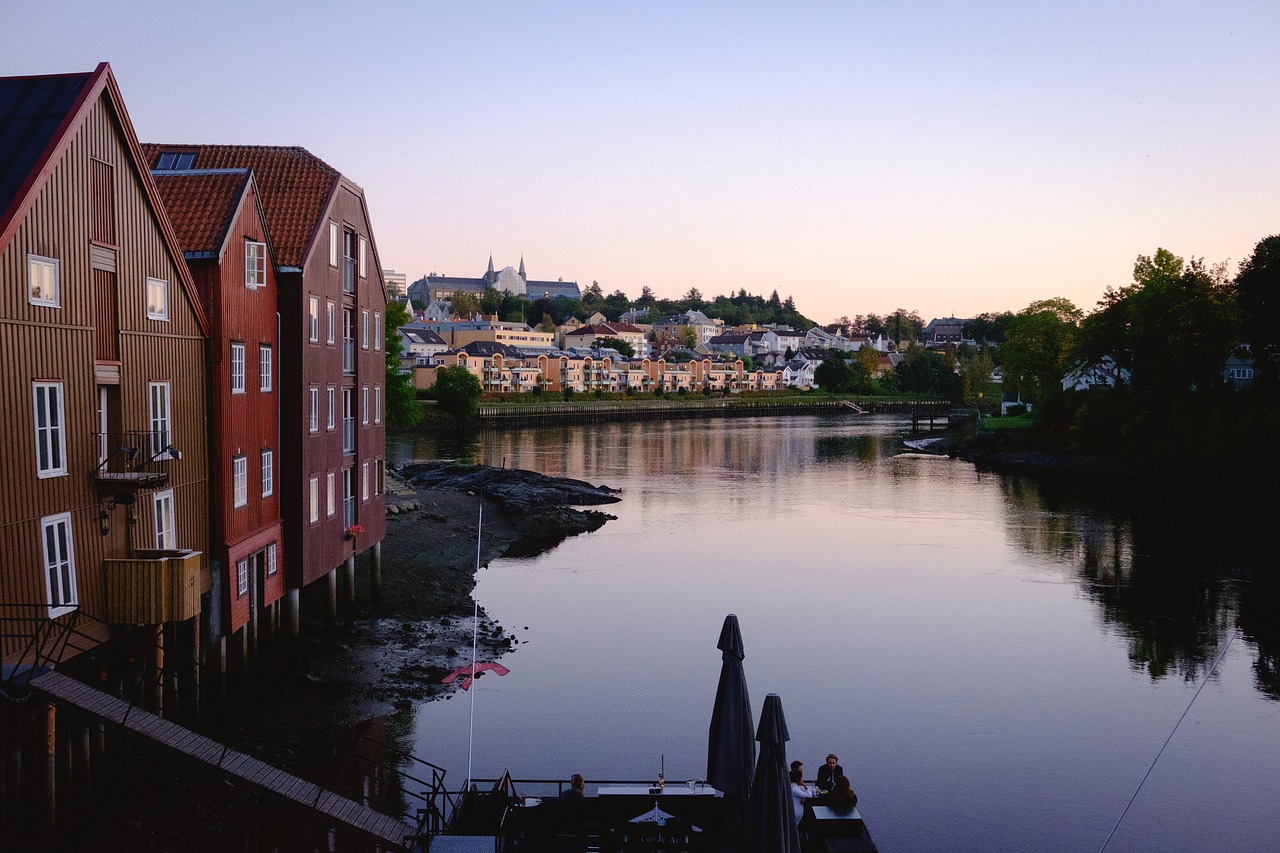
(255,264)
(173,161)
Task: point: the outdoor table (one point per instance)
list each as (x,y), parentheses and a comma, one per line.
(837,831)
(674,789)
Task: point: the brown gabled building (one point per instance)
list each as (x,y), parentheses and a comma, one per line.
(218,218)
(332,302)
(103,479)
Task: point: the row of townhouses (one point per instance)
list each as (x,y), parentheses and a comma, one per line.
(194,395)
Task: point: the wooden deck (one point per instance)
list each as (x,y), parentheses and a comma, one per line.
(390,833)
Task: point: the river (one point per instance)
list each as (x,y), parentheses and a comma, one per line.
(997,661)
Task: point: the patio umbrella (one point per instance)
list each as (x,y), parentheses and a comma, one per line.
(771,820)
(731,753)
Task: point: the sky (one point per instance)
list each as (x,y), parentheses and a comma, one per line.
(949,158)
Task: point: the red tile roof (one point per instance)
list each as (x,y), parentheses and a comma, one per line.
(295,186)
(201,205)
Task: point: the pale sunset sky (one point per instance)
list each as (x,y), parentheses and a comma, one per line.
(950,158)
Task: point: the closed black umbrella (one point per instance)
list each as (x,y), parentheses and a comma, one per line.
(771,816)
(731,752)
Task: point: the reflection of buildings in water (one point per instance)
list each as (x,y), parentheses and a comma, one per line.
(1155,567)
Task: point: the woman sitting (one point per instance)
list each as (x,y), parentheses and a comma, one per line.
(842,799)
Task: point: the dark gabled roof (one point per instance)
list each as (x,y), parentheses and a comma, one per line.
(422,336)
(730,338)
(202,206)
(487,348)
(295,186)
(32,110)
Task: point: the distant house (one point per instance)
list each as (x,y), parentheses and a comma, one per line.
(1010,400)
(799,372)
(587,337)
(732,343)
(943,330)
(1238,370)
(1104,374)
(704,328)
(421,343)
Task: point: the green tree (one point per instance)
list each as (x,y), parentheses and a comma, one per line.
(1038,346)
(1257,292)
(689,336)
(593,295)
(547,324)
(618,344)
(464,304)
(457,392)
(403,410)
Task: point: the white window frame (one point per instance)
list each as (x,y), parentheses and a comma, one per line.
(159,402)
(329,317)
(239,481)
(377,404)
(330,495)
(364,250)
(44,272)
(242,577)
(333,243)
(255,264)
(364,405)
(364,329)
(314,423)
(364,481)
(166,533)
(264,368)
(272,565)
(315,499)
(157,287)
(51,436)
(237,367)
(377,331)
(313,327)
(58,547)
(332,394)
(268,463)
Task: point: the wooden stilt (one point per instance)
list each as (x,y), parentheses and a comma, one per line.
(50,787)
(375,573)
(349,592)
(331,603)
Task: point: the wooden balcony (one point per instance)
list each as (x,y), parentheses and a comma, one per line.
(153,587)
(131,462)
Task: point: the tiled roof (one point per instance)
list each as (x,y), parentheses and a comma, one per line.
(201,204)
(31,111)
(295,186)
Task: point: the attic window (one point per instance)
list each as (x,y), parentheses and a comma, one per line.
(171,161)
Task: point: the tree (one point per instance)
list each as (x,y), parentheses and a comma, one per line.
(593,295)
(646,299)
(618,344)
(841,377)
(464,304)
(693,297)
(988,327)
(547,324)
(690,336)
(1257,292)
(1037,348)
(403,410)
(457,392)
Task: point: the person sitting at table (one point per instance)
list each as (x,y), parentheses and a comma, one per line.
(800,791)
(577,788)
(570,807)
(842,799)
(828,773)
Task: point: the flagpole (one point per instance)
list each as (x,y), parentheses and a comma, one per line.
(475,630)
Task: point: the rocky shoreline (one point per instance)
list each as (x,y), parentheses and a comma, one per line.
(400,647)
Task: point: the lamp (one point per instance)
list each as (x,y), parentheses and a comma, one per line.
(104,521)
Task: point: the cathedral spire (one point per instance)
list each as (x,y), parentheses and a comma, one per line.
(489,276)
(522,275)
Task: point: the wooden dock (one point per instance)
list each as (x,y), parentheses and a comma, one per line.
(387,832)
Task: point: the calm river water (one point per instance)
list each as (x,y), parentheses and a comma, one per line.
(997,661)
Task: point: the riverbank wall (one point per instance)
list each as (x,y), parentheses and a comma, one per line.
(498,416)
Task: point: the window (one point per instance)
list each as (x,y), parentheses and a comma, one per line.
(255,264)
(157,299)
(333,244)
(165,537)
(315,410)
(377,331)
(348,420)
(379,474)
(348,496)
(364,405)
(240,481)
(348,341)
(364,481)
(314,318)
(330,391)
(364,250)
(348,262)
(59,563)
(237,368)
(175,161)
(364,330)
(242,577)
(328,309)
(264,368)
(43,275)
(271,559)
(329,494)
(268,473)
(315,500)
(51,439)
(377,404)
(161,437)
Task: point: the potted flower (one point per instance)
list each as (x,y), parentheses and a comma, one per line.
(353,531)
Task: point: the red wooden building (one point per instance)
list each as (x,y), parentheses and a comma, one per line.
(218,218)
(332,301)
(103,479)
